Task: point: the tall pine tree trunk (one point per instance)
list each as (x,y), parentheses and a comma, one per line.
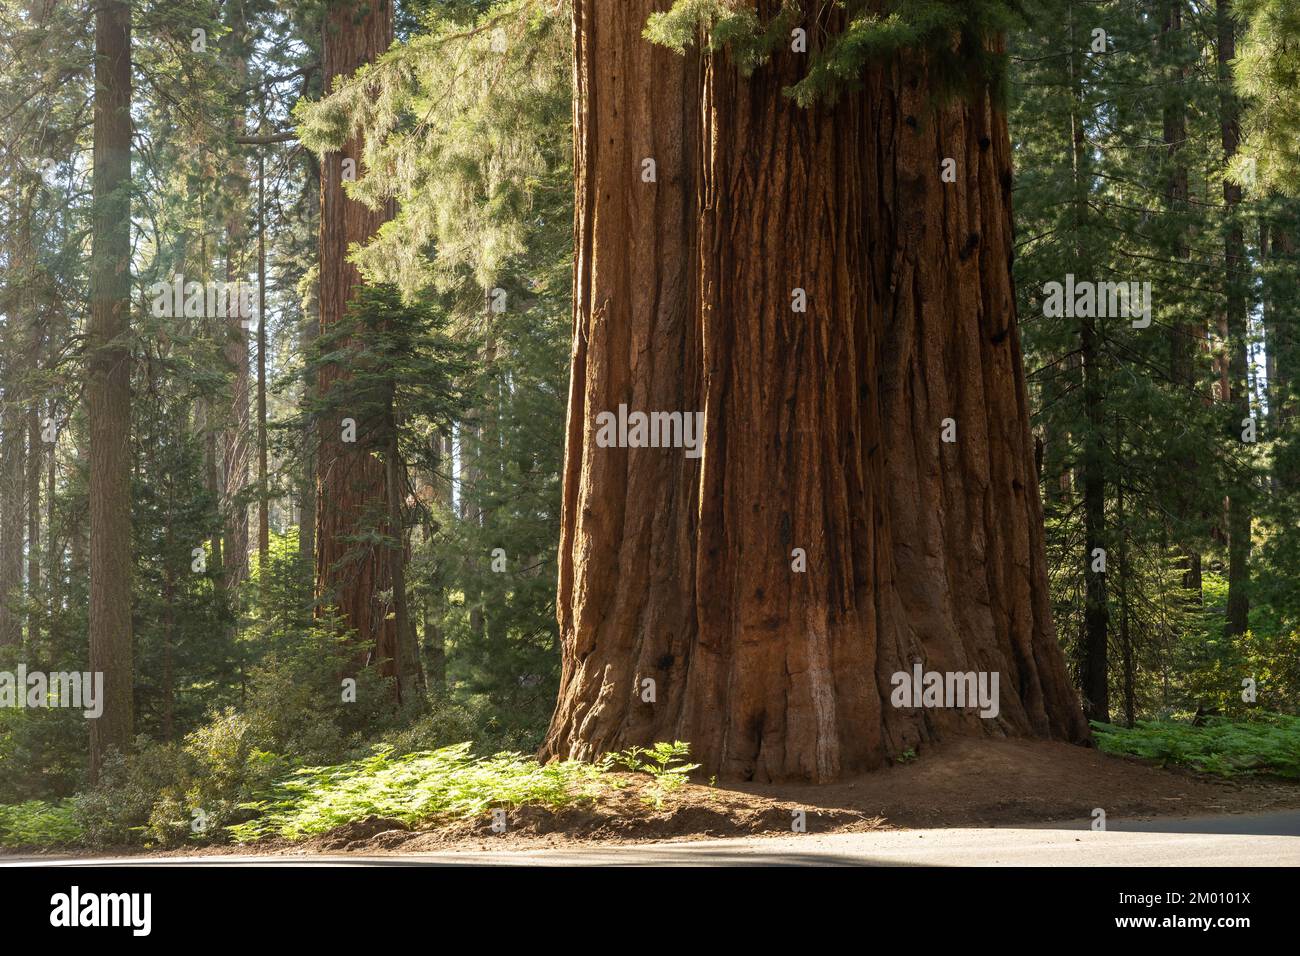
(822,430)
(15,360)
(352,482)
(263,497)
(108,390)
(1093,650)
(1183,334)
(1283,342)
(1236,330)
(13,458)
(35,457)
(234,441)
(307,333)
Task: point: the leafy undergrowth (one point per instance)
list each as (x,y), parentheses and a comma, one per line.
(39,823)
(450,782)
(1269,743)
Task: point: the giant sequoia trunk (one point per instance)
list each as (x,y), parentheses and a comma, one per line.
(822,430)
(108,386)
(353,487)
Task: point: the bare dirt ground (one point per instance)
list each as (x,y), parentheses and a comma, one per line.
(963,783)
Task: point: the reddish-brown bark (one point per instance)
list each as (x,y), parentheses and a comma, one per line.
(108,385)
(822,430)
(351,481)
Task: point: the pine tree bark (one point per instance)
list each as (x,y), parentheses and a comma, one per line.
(263,496)
(307,333)
(35,345)
(352,483)
(16,363)
(35,457)
(235,452)
(13,458)
(108,390)
(1235,327)
(1093,647)
(1183,335)
(1283,348)
(822,431)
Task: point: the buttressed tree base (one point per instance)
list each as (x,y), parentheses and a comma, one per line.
(866,496)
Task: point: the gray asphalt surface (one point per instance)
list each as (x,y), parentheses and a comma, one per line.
(1236,840)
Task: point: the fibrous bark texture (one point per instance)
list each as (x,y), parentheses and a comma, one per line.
(351,575)
(108,385)
(822,429)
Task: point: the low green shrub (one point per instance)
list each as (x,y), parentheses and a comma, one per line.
(413,787)
(39,823)
(1266,743)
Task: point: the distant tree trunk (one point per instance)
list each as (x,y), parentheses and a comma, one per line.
(35,342)
(53,546)
(474,431)
(1094,673)
(211,484)
(435,643)
(169,634)
(263,498)
(108,390)
(235,433)
(1125,632)
(823,430)
(1183,335)
(15,363)
(1283,342)
(13,516)
(410,677)
(1094,663)
(436,650)
(1052,453)
(352,481)
(307,333)
(1236,329)
(35,458)
(469,433)
(307,486)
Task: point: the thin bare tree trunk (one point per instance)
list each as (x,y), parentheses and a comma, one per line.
(13,460)
(1236,329)
(1183,334)
(108,391)
(263,496)
(234,439)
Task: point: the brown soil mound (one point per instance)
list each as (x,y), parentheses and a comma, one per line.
(968,782)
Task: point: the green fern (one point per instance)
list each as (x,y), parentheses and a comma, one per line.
(1267,743)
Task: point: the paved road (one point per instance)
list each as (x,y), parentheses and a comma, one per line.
(1238,840)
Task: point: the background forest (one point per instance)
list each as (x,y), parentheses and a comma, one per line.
(1154,141)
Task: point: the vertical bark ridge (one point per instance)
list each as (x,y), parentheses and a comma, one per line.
(821,429)
(351,480)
